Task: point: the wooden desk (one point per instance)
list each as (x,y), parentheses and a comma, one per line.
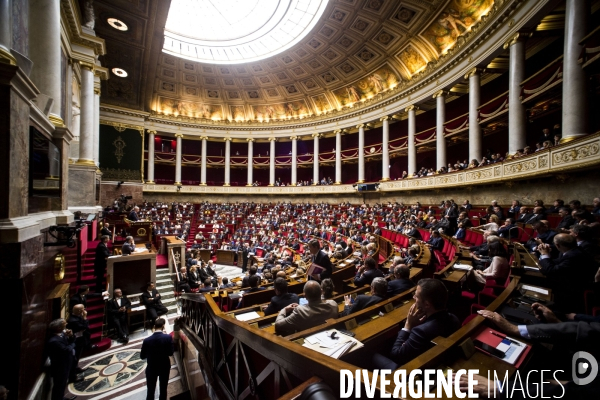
(225,257)
(131,273)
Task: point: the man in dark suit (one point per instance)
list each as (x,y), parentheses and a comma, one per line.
(157,349)
(61,350)
(436,242)
(524,215)
(414,233)
(207,286)
(426,320)
(570,274)
(320,258)
(128,247)
(401,283)
(105,231)
(282,298)
(151,299)
(102,254)
(368,272)
(583,236)
(566,222)
(362,301)
(80,297)
(79,325)
(182,281)
(117,312)
(245,252)
(133,216)
(509,230)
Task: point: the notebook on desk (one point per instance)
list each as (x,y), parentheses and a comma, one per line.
(514,351)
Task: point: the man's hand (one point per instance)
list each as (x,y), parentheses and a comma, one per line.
(68,332)
(570,316)
(157,295)
(544,249)
(415,317)
(290,308)
(481,388)
(347,300)
(543,313)
(502,323)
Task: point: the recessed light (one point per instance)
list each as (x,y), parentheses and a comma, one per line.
(117,24)
(121,73)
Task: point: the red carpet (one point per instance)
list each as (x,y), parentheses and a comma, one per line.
(162,261)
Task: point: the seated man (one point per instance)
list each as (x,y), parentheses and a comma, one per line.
(362,301)
(151,299)
(128,247)
(401,282)
(254,281)
(509,230)
(435,242)
(182,281)
(296,318)
(282,298)
(253,270)
(207,286)
(426,320)
(224,283)
(117,312)
(368,272)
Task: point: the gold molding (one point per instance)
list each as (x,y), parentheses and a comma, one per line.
(56,121)
(568,139)
(7,58)
(514,39)
(316,135)
(294,137)
(227,139)
(150,182)
(412,107)
(384,179)
(202,184)
(440,93)
(59,267)
(179,135)
(384,118)
(178,184)
(473,71)
(89,163)
(272,139)
(360,126)
(203,137)
(151,132)
(87,65)
(250,140)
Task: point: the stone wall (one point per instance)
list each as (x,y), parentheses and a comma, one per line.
(109,192)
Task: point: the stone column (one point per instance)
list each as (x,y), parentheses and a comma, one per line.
(151,136)
(86,134)
(227,161)
(412,146)
(203,162)
(475,151)
(294,160)
(45,52)
(440,120)
(338,157)
(517,121)
(385,150)
(361,153)
(179,136)
(250,161)
(316,137)
(574,101)
(272,162)
(97,126)
(5,33)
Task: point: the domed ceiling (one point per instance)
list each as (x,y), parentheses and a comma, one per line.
(358,49)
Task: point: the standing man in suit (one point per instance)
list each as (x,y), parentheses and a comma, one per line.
(117,312)
(401,283)
(427,319)
(362,301)
(157,349)
(133,215)
(151,299)
(61,350)
(282,298)
(320,258)
(245,252)
(102,254)
(79,325)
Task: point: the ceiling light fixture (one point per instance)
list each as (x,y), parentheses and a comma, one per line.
(117,24)
(121,73)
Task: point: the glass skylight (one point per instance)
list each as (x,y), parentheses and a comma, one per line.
(237,31)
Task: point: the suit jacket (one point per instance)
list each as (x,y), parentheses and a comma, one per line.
(306,316)
(61,351)
(77,299)
(565,223)
(280,302)
(510,231)
(127,248)
(77,324)
(106,231)
(409,345)
(362,301)
(414,233)
(113,306)
(436,243)
(397,286)
(322,260)
(102,253)
(367,277)
(193,279)
(133,216)
(580,335)
(151,303)
(157,349)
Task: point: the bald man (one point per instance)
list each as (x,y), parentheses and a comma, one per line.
(295,318)
(79,325)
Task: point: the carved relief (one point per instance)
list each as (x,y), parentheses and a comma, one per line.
(476,175)
(575,154)
(524,166)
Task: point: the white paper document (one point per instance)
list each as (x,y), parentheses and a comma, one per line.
(247,316)
(534,289)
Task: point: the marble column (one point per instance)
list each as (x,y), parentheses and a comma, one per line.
(272,162)
(178,136)
(5,33)
(151,136)
(517,120)
(86,133)
(227,161)
(250,161)
(338,157)
(294,160)
(412,146)
(475,151)
(203,162)
(316,137)
(385,150)
(97,126)
(440,120)
(574,99)
(45,52)
(361,153)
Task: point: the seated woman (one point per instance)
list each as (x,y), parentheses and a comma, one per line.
(498,270)
(491,226)
(194,278)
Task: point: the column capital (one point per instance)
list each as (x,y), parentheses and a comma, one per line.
(151,132)
(360,126)
(294,137)
(179,135)
(384,118)
(250,140)
(440,93)
(227,139)
(473,71)
(517,37)
(203,138)
(272,139)
(97,91)
(87,65)
(316,135)
(412,107)
(338,131)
